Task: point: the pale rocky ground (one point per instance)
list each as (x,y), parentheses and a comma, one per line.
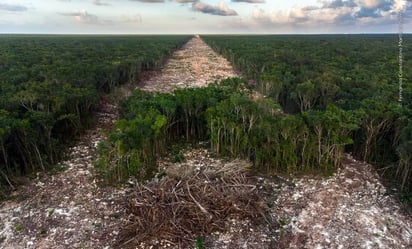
(68,209)
(350,209)
(195,65)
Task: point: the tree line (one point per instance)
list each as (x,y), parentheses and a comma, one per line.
(232,123)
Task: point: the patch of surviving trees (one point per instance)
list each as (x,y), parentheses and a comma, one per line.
(322,96)
(234,124)
(49,88)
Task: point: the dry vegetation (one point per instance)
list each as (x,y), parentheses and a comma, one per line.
(192,201)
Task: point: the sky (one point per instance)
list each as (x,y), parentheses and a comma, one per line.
(204,16)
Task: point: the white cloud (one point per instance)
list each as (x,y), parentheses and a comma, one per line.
(219,10)
(336,12)
(100,3)
(274,17)
(400,5)
(298,13)
(370,3)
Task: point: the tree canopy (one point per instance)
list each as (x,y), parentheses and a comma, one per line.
(50,87)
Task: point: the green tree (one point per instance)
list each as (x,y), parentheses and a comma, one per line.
(306,94)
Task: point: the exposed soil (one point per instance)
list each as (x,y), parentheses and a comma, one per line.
(69,209)
(350,209)
(195,65)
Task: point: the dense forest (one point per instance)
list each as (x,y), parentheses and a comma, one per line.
(355,73)
(50,87)
(321,96)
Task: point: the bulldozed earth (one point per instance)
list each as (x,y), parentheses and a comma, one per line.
(199,201)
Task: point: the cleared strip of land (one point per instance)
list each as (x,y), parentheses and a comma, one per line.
(194,65)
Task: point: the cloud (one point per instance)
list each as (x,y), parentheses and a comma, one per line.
(272,17)
(99,3)
(338,4)
(368,12)
(399,5)
(83,16)
(345,19)
(375,9)
(249,1)
(219,10)
(310,8)
(371,3)
(12,7)
(335,13)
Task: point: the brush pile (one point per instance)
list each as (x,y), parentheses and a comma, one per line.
(189,203)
